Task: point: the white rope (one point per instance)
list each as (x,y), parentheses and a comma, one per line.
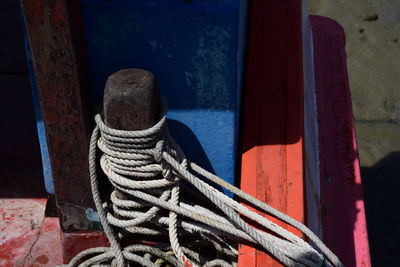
(148,171)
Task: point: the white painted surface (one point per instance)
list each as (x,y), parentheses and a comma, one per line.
(312,172)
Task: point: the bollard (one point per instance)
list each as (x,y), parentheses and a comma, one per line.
(131,100)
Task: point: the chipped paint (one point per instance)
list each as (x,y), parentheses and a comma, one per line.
(92,215)
(210,78)
(100,40)
(196,52)
(153,44)
(27,238)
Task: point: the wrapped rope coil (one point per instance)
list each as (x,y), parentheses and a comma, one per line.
(148,169)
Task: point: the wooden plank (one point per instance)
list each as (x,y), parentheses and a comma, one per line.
(56,55)
(272,156)
(343,212)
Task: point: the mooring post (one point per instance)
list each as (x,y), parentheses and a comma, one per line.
(131,100)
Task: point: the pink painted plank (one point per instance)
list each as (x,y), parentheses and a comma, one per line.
(342,203)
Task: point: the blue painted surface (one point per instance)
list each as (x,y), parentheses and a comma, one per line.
(195,49)
(46,165)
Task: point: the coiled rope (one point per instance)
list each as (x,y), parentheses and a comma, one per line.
(148,170)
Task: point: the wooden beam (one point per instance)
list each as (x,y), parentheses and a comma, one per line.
(272,129)
(55,33)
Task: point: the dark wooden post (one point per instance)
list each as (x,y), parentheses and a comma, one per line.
(131,100)
(57,52)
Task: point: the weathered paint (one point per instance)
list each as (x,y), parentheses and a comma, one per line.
(27,238)
(194,48)
(92,215)
(58,74)
(202,40)
(343,212)
(75,242)
(44,150)
(272,151)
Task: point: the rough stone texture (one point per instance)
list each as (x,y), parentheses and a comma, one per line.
(376,140)
(373,48)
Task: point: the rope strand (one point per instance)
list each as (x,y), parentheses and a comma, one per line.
(146,169)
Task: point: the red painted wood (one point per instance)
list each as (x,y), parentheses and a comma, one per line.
(55,42)
(343,213)
(27,237)
(272,157)
(73,243)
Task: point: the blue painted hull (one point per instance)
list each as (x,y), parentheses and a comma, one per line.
(195,49)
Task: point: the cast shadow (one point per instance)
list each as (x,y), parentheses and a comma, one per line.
(342,211)
(382,198)
(191,146)
(189,143)
(20,161)
(20,169)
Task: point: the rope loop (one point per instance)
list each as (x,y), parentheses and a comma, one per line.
(200,227)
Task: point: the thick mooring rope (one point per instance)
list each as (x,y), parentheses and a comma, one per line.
(148,170)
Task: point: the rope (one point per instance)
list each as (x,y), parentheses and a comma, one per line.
(154,191)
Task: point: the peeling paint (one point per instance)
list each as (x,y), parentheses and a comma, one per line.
(29,239)
(153,44)
(210,78)
(92,215)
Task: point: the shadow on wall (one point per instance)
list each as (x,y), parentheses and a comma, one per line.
(342,211)
(380,183)
(382,198)
(20,164)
